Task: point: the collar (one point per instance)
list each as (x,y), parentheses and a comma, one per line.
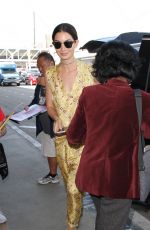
(118,82)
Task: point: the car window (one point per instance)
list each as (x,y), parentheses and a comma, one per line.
(34,72)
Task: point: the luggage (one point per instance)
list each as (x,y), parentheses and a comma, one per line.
(3,163)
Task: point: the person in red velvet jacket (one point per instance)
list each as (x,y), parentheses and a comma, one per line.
(106,123)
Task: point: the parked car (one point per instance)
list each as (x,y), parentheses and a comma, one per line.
(31,77)
(8,74)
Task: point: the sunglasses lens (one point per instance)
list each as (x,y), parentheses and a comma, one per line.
(57,45)
(68,44)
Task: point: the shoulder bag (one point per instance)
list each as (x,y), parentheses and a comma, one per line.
(143,153)
(3,163)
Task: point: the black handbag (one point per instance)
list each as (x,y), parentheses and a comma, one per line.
(3,163)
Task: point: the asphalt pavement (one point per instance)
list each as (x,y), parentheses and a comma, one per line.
(31,206)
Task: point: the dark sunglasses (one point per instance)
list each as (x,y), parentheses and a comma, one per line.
(67,44)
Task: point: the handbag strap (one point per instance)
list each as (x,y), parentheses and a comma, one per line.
(138,100)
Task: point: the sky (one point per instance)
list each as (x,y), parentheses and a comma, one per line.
(92,19)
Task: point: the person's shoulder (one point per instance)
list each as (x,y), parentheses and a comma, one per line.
(92,88)
(84,65)
(85,72)
(51,74)
(145,99)
(51,70)
(145,95)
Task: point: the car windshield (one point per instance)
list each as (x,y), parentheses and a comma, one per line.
(34,72)
(8,71)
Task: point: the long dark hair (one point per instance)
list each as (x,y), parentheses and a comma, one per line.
(65,27)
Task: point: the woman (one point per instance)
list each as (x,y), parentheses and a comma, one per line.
(64,85)
(106,122)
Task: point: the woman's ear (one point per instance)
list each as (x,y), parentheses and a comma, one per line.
(76,43)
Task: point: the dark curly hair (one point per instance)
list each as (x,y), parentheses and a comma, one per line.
(116,58)
(46,56)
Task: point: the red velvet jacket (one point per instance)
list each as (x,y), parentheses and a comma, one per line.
(106,123)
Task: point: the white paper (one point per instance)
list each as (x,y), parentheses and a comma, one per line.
(32,111)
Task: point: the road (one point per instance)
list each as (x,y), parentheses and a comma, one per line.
(11,96)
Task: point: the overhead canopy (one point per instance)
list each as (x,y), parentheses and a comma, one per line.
(131,37)
(92,46)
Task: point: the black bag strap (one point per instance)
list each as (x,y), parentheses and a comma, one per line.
(3,163)
(138,100)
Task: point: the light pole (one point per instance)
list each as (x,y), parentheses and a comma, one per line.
(34,42)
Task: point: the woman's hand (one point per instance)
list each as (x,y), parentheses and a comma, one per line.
(57,125)
(3,131)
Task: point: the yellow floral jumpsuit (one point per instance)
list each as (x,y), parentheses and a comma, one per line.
(68,157)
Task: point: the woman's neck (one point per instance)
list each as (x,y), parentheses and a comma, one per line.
(68,65)
(68,62)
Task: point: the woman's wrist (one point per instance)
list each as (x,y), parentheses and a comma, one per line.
(56,118)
